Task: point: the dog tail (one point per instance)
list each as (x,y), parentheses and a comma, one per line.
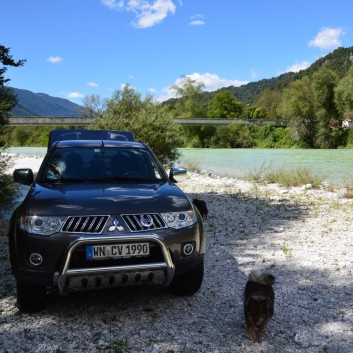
(262,277)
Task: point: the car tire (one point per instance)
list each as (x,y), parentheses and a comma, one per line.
(188,283)
(30,297)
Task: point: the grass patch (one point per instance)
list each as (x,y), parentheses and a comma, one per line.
(193,167)
(348,186)
(285,176)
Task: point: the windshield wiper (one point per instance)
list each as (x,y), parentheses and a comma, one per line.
(124,179)
(64,180)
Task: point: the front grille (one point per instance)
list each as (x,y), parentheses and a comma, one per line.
(147,221)
(85,224)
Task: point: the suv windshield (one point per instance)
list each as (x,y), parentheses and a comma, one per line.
(101,164)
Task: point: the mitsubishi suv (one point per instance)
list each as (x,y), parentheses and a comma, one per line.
(102,212)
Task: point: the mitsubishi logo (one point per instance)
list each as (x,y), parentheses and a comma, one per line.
(146,220)
(115,226)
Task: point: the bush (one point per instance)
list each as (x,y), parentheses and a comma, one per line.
(284,176)
(149,122)
(8,189)
(234,135)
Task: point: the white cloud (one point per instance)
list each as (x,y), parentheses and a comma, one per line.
(253,73)
(212,82)
(197,23)
(298,67)
(197,20)
(73,95)
(92,84)
(147,12)
(113,4)
(327,38)
(151,90)
(55,59)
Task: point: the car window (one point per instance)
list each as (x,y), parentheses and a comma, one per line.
(101,163)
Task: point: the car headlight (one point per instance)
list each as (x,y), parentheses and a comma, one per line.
(41,225)
(179,219)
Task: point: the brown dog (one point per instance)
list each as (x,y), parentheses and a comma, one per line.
(259,300)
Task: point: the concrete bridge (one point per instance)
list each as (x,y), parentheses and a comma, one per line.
(82,121)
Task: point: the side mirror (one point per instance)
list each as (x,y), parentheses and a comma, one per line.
(177,174)
(23,176)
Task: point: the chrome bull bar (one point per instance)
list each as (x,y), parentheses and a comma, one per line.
(159,273)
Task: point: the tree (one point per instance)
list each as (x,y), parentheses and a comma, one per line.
(190,104)
(234,135)
(149,122)
(323,84)
(344,95)
(7,99)
(93,106)
(7,102)
(297,107)
(224,105)
(269,100)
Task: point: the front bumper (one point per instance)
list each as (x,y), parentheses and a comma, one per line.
(77,279)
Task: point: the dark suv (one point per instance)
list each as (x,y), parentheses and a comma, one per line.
(102,212)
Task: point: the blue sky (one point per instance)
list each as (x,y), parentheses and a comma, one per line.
(75,48)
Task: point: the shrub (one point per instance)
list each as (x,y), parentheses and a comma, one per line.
(285,176)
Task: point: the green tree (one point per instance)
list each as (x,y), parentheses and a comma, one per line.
(93,106)
(324,82)
(344,95)
(234,135)
(149,122)
(269,100)
(297,107)
(7,102)
(224,105)
(7,98)
(190,104)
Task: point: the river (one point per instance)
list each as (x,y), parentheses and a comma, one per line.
(335,165)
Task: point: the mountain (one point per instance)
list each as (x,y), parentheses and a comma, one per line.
(340,60)
(41,104)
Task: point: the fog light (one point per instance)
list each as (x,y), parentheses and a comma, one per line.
(187,248)
(36,259)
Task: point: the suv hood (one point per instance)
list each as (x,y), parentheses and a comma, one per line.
(97,199)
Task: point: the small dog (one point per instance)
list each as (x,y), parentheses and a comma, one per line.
(259,300)
(202,208)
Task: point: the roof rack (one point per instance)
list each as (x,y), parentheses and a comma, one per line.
(82,134)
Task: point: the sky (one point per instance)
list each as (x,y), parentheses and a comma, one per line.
(78,48)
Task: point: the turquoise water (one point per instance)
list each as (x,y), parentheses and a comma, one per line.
(335,165)
(38,151)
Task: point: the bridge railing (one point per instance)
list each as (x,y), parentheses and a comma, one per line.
(81,121)
(49,120)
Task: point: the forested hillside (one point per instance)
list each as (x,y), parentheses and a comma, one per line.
(338,61)
(40,104)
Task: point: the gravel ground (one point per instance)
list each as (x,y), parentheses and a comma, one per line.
(303,236)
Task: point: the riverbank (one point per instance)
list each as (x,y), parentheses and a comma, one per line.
(302,235)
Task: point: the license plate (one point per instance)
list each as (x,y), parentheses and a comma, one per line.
(117,250)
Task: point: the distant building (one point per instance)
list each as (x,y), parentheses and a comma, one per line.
(348,122)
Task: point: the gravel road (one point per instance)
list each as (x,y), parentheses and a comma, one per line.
(303,236)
